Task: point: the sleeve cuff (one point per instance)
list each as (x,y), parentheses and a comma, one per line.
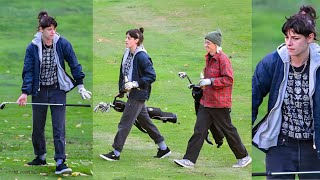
(212,81)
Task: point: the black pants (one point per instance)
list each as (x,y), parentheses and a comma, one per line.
(205,118)
(58,113)
(292,155)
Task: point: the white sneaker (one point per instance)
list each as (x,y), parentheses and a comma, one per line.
(184,163)
(242,162)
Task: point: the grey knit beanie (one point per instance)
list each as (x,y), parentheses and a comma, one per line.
(215,37)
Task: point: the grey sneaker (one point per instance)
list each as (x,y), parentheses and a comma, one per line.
(184,163)
(242,162)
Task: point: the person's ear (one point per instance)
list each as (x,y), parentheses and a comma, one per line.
(40,29)
(310,38)
(136,40)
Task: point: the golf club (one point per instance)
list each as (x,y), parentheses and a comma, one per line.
(284,173)
(183,75)
(3,104)
(197,94)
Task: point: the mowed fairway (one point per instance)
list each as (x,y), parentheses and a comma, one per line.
(174,35)
(18,26)
(267,20)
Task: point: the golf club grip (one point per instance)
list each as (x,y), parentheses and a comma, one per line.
(260,174)
(79,105)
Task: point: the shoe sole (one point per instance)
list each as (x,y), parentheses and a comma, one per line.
(64,171)
(106,158)
(243,165)
(36,165)
(182,165)
(166,155)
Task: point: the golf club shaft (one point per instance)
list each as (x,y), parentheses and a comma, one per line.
(51,104)
(189,79)
(284,173)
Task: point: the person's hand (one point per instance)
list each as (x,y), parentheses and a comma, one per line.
(129,85)
(205,82)
(22,100)
(85,94)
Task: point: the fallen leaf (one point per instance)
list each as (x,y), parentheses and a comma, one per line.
(75,174)
(43,174)
(83,174)
(78,125)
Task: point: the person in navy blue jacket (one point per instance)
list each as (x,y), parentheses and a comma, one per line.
(290,132)
(45,79)
(136,76)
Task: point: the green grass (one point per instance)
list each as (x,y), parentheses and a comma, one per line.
(267,20)
(174,35)
(17,27)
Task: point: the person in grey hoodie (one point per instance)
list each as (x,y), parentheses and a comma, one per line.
(45,79)
(290,132)
(136,76)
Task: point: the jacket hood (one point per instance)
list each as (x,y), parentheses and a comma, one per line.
(314,53)
(139,49)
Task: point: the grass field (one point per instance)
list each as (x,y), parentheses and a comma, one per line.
(174,35)
(17,27)
(267,20)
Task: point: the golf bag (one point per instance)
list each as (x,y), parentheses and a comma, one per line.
(216,132)
(154,113)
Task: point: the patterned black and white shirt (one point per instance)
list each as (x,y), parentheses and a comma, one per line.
(128,64)
(296,110)
(48,73)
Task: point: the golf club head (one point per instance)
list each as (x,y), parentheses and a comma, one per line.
(182,75)
(2,105)
(103,107)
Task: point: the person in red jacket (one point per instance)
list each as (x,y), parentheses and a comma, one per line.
(215,104)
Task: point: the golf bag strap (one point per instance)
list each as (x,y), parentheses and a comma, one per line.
(136,123)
